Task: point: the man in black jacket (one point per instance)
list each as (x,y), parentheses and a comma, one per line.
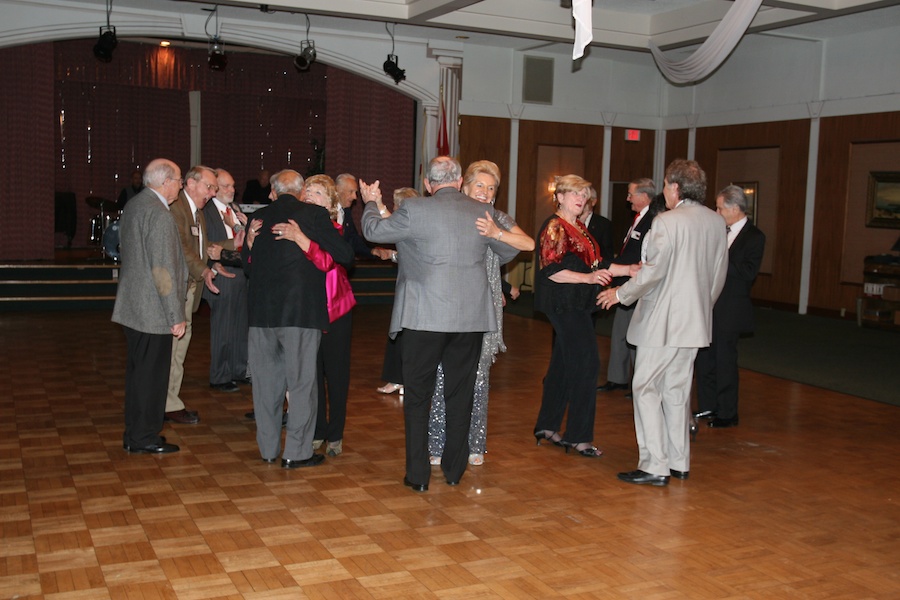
(621,355)
(717,366)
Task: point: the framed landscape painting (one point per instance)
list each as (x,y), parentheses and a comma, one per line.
(883,206)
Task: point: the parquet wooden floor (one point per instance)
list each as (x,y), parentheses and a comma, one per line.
(800,501)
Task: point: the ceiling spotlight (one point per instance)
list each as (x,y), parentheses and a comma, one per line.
(307,54)
(217,60)
(306,57)
(391,68)
(106,43)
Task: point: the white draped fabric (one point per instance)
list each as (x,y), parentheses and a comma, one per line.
(714,50)
(584,28)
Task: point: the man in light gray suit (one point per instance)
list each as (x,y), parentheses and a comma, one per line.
(150,304)
(686,261)
(442,304)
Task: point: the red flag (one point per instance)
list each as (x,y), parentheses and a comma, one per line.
(443,141)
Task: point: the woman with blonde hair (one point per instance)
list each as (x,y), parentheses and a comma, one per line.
(565,289)
(334,350)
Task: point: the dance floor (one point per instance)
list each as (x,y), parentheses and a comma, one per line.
(800,501)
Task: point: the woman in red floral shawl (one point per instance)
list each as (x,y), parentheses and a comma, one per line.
(565,289)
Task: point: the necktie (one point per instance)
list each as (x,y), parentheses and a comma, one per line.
(229,229)
(199,234)
(630,229)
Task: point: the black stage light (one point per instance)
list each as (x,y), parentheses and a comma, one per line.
(306,57)
(217,60)
(392,69)
(106,43)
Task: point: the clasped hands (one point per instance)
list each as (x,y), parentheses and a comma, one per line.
(214,251)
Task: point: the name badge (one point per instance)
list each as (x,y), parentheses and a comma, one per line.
(636,235)
(195,231)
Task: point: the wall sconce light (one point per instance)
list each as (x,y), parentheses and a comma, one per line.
(307,54)
(391,65)
(107,41)
(551,187)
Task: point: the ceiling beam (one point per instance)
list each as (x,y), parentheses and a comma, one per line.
(421,11)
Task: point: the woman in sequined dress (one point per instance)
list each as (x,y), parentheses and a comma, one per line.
(480,182)
(565,289)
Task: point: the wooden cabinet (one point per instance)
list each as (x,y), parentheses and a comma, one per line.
(879,306)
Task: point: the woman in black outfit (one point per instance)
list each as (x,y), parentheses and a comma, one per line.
(565,289)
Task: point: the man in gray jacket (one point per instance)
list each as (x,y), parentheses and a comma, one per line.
(150,304)
(442,304)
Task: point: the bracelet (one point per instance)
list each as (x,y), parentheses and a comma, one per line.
(238,228)
(499,235)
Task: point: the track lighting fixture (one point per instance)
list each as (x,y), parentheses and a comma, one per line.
(391,65)
(307,54)
(391,68)
(107,41)
(216,60)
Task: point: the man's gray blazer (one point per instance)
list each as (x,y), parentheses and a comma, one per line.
(442,284)
(153,277)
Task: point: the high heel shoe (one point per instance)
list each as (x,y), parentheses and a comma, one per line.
(390,388)
(590,451)
(542,435)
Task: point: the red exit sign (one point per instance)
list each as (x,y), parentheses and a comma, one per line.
(632,135)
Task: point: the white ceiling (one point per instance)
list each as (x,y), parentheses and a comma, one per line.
(547,24)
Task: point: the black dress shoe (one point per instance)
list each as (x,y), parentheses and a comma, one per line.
(643,478)
(416,487)
(243,381)
(680,474)
(450,483)
(161,448)
(611,386)
(228,386)
(722,423)
(183,416)
(250,415)
(269,460)
(704,414)
(312,461)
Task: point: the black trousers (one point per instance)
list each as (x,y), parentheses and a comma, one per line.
(716,369)
(571,379)
(146,386)
(422,352)
(333,375)
(392,369)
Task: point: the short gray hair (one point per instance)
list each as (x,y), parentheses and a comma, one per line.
(345,177)
(443,170)
(157,172)
(644,185)
(734,196)
(287,181)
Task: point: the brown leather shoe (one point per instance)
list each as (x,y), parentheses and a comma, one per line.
(183,416)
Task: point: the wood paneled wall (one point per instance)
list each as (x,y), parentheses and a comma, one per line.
(837,135)
(482,137)
(487,138)
(782,286)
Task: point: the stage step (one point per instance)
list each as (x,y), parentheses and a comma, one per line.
(37,287)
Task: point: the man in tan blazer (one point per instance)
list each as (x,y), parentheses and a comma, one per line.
(684,269)
(199,186)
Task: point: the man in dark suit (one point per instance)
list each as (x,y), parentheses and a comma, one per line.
(347,189)
(228,309)
(150,304)
(684,268)
(717,366)
(621,353)
(187,211)
(597,226)
(288,312)
(442,305)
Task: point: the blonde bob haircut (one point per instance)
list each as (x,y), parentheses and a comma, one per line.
(571,183)
(330,191)
(481,166)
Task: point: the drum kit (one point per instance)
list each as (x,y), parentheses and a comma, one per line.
(105,226)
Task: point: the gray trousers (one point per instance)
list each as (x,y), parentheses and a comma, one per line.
(621,353)
(283,359)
